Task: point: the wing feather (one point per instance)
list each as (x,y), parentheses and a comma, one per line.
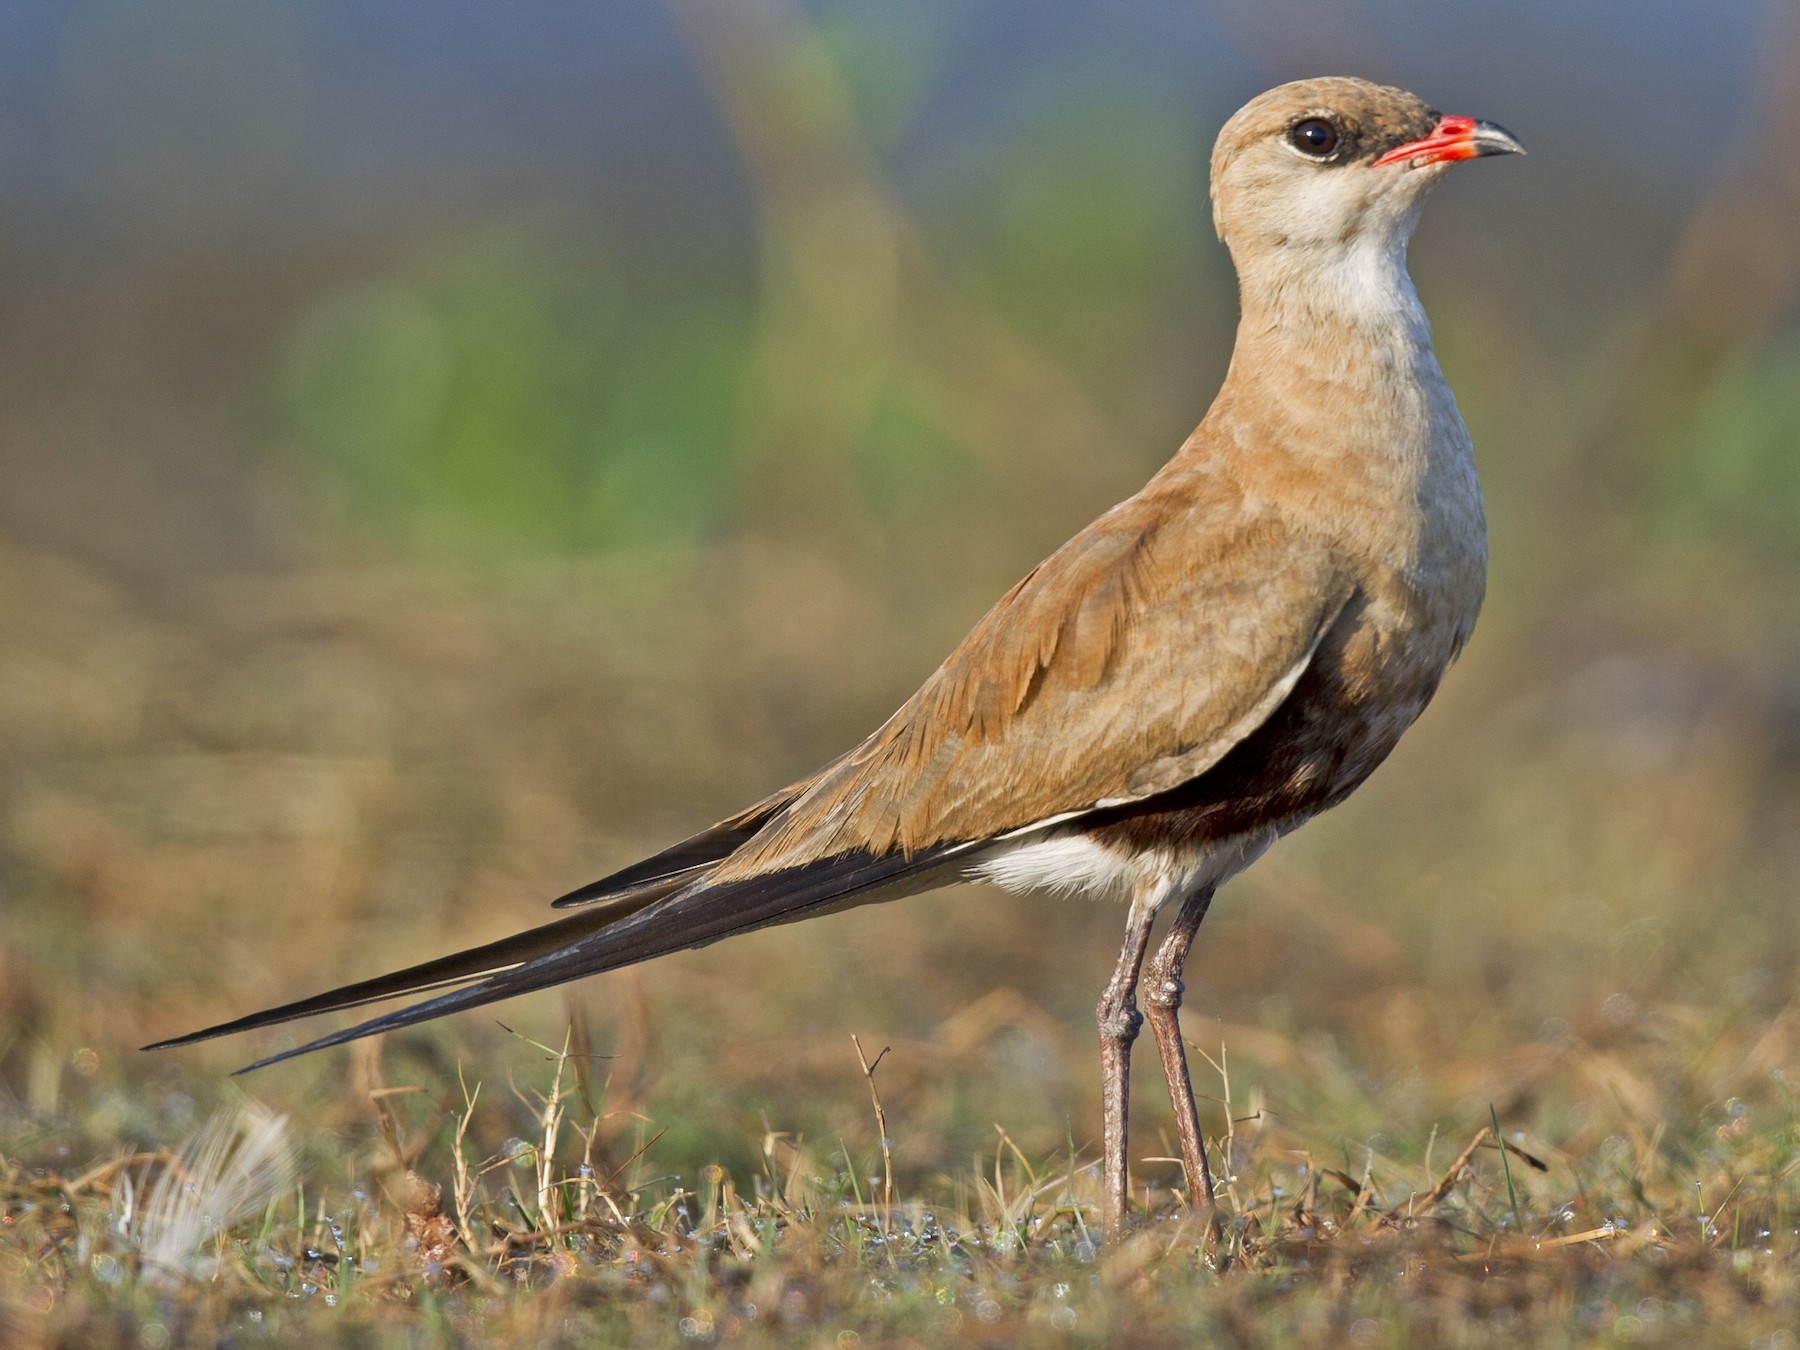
(687,860)
(1131,660)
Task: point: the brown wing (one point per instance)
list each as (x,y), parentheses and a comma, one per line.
(1128,662)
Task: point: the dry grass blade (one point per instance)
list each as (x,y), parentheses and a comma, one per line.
(881,1130)
(1453,1174)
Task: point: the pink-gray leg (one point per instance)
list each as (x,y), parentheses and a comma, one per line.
(1162,995)
(1119,1021)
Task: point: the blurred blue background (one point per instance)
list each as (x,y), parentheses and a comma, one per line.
(552,277)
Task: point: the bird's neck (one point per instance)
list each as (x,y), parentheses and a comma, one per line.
(1356,289)
(1334,395)
(1332,339)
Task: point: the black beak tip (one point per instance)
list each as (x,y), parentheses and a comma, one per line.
(1493,139)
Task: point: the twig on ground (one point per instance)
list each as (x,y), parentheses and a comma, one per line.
(887,1155)
(1446,1183)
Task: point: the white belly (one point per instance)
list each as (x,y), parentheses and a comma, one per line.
(1070,863)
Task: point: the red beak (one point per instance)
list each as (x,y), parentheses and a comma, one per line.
(1454,138)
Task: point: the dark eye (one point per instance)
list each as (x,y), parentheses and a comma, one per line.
(1314,137)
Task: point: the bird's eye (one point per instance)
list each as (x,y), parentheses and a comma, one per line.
(1315,138)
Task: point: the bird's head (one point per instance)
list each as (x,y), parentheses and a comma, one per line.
(1331,164)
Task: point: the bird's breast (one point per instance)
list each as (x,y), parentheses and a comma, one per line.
(1370,678)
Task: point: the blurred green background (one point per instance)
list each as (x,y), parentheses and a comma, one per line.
(446,450)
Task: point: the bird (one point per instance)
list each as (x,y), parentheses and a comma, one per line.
(1207,665)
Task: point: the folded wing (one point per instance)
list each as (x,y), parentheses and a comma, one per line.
(1129,662)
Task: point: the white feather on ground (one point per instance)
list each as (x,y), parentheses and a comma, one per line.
(226,1173)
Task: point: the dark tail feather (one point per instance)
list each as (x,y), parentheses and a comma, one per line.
(690,918)
(682,863)
(457,968)
(676,866)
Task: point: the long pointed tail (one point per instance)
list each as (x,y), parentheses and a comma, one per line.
(457,968)
(598,939)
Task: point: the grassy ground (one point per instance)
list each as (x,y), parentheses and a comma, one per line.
(549,1240)
(294,779)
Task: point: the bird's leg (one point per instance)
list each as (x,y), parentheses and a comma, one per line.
(1162,995)
(1119,1021)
